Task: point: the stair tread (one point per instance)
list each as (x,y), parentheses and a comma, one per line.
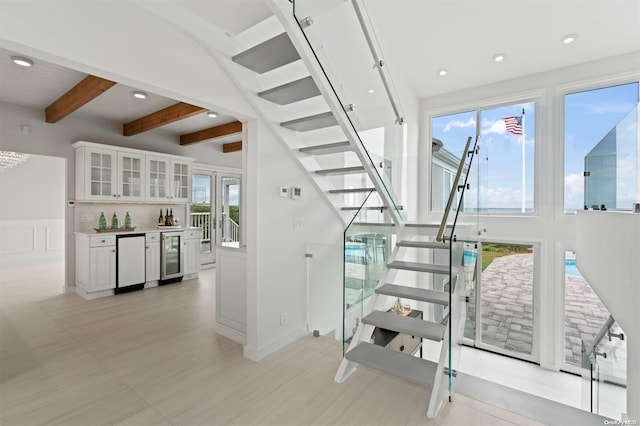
(311,122)
(408,367)
(341,170)
(268,55)
(423,244)
(413,293)
(350,190)
(420,267)
(291,92)
(407,325)
(329,148)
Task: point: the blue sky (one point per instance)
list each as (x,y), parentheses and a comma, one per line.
(589,116)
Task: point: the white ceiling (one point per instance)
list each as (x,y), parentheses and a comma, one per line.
(40,85)
(417,37)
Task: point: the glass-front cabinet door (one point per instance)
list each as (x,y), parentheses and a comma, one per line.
(102,165)
(132,176)
(181,184)
(157,178)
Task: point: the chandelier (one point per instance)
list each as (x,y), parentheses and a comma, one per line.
(10,159)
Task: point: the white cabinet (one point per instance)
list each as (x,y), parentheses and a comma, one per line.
(191,251)
(131,177)
(95,265)
(96,174)
(152,258)
(168,179)
(107,173)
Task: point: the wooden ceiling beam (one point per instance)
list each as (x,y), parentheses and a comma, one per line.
(212,132)
(170,114)
(88,89)
(232,146)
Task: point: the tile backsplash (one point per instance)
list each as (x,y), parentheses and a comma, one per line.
(142,215)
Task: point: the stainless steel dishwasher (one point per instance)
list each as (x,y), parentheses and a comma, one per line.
(130,266)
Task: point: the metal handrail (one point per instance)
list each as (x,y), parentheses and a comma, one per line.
(379,63)
(603,332)
(454,188)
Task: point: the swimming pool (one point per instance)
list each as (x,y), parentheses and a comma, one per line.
(570,268)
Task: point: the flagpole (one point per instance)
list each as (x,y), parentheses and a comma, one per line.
(523,169)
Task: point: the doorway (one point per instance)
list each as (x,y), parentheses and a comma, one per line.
(229,210)
(203,213)
(500,309)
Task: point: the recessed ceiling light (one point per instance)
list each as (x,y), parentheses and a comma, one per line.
(140,95)
(212,114)
(442,72)
(568,39)
(370,91)
(23,62)
(499,57)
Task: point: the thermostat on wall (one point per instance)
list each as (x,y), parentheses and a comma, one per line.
(296,192)
(284,191)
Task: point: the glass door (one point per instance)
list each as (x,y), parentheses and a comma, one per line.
(203,213)
(229,210)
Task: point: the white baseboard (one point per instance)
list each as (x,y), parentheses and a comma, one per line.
(232,334)
(92,295)
(258,354)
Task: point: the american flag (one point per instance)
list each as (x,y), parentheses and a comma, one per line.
(514,124)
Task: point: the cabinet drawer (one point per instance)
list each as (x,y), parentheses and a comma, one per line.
(152,236)
(102,241)
(192,234)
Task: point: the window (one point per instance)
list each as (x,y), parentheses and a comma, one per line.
(503,173)
(601,148)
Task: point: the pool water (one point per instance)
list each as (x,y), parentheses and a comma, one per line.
(570,268)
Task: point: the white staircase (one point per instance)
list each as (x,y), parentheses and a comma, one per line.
(283,81)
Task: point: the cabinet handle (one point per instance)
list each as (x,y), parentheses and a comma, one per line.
(113,251)
(401,348)
(147,247)
(104,241)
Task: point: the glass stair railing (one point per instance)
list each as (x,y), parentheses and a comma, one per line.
(359,83)
(604,372)
(404,296)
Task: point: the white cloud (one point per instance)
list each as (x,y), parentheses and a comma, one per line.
(471,122)
(497,127)
(574,191)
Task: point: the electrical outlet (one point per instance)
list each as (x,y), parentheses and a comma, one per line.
(297,224)
(283,318)
(87,218)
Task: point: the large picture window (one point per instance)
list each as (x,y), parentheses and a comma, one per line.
(601,148)
(503,174)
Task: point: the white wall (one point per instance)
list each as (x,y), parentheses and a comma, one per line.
(549,228)
(278,282)
(32,198)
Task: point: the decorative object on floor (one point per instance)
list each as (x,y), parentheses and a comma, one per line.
(9,159)
(397,307)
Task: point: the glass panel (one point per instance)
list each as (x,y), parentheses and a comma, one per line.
(601,148)
(507,297)
(202,214)
(126,163)
(95,188)
(367,242)
(172,265)
(374,117)
(95,159)
(449,137)
(507,140)
(230,199)
(95,174)
(106,175)
(106,189)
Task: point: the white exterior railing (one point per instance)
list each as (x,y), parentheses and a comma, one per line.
(230,229)
(201,220)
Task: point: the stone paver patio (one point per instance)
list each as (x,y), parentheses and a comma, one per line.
(507,308)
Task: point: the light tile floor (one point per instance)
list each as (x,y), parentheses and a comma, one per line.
(152,358)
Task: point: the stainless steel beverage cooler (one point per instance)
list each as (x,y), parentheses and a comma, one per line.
(172,257)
